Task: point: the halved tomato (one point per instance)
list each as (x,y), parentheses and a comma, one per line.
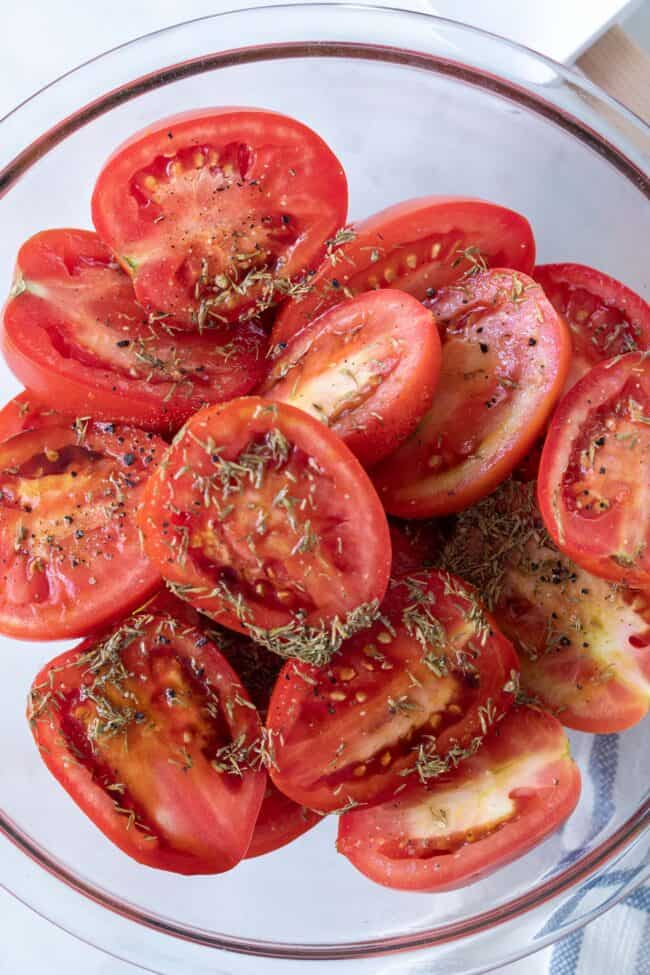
(584,643)
(520,787)
(73,333)
(505,353)
(411,696)
(152,734)
(594,476)
(280,822)
(217,213)
(25,412)
(262,518)
(280,819)
(606,319)
(417,246)
(70,553)
(366,368)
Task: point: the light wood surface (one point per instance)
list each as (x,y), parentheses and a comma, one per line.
(622,69)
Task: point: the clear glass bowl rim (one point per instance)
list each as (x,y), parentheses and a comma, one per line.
(632,831)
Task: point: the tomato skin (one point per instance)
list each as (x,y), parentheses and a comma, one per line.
(583,642)
(353,731)
(188,816)
(73,333)
(505,353)
(437,228)
(524,770)
(310,544)
(604,316)
(70,556)
(280,822)
(367,368)
(594,472)
(208,167)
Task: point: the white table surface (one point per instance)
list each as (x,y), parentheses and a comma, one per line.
(41,39)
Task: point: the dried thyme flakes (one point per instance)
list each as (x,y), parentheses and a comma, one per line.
(314,644)
(491,537)
(429,764)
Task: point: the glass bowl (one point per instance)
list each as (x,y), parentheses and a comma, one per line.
(412,105)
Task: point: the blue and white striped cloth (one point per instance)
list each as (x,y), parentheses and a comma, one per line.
(616,944)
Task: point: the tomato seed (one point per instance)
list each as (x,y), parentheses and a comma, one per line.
(347,673)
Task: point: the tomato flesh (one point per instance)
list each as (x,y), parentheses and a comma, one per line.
(217,212)
(73,333)
(262,518)
(606,319)
(367,368)
(280,820)
(594,477)
(412,695)
(520,787)
(24,412)
(70,555)
(151,733)
(417,246)
(505,353)
(583,642)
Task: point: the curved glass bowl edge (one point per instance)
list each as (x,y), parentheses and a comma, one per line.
(628,834)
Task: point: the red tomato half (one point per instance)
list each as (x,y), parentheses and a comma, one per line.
(217,212)
(280,819)
(366,368)
(280,822)
(505,353)
(606,318)
(73,333)
(584,643)
(520,787)
(594,476)
(413,695)
(153,736)
(417,246)
(263,519)
(24,412)
(70,554)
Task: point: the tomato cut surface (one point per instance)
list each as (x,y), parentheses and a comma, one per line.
(583,642)
(217,213)
(152,734)
(417,246)
(594,476)
(520,787)
(24,412)
(505,353)
(73,333)
(263,519)
(366,368)
(280,820)
(70,553)
(411,696)
(606,319)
